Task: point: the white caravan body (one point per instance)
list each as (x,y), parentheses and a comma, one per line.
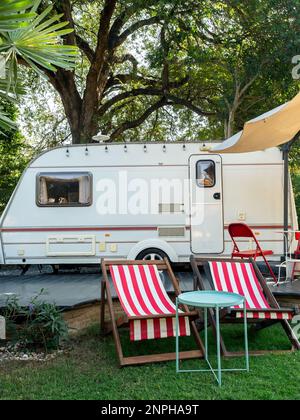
(56,214)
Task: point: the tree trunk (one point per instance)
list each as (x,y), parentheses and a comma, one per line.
(230,124)
(64,83)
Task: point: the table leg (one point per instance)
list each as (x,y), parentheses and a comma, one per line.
(246,338)
(177,338)
(206,332)
(219,346)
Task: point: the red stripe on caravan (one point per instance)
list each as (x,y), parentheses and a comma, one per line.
(111,228)
(81,229)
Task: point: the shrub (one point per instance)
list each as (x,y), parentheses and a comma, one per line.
(39,325)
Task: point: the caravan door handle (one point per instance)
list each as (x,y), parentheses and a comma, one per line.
(217,196)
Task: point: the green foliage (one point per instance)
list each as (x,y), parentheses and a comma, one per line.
(10,18)
(14,157)
(40,325)
(38,44)
(234,56)
(34,38)
(296,184)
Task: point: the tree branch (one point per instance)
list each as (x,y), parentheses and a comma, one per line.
(128,125)
(186,103)
(149,91)
(121,79)
(130,58)
(65,7)
(103,33)
(85,48)
(135,27)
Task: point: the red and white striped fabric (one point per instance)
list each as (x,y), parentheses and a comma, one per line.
(241,278)
(142,293)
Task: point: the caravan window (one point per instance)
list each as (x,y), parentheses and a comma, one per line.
(64,189)
(206,173)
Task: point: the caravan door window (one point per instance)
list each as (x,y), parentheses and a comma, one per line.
(64,189)
(206,173)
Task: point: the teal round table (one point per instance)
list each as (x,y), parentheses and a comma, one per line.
(214,301)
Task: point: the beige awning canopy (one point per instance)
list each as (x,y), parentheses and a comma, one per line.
(272,129)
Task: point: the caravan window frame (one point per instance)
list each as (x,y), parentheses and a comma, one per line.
(89,175)
(197,173)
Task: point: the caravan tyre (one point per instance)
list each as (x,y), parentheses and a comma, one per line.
(152,254)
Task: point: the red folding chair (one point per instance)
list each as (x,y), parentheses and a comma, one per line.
(297,256)
(242,231)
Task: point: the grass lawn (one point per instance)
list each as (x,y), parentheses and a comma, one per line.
(90,371)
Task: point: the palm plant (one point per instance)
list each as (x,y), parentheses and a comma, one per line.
(10,16)
(34,38)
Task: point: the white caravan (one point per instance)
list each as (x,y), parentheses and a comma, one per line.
(78,204)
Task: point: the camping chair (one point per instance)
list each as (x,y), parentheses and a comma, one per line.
(244,278)
(241,230)
(291,262)
(149,311)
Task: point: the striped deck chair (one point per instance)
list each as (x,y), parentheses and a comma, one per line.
(148,309)
(244,278)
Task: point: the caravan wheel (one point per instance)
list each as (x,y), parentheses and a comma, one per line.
(152,254)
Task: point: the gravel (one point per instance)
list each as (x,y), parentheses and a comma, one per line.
(12,352)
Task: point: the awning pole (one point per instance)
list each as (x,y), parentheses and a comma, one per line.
(286,151)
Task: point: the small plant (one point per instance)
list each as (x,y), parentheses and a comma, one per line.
(39,325)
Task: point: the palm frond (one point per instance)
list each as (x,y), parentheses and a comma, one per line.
(6,124)
(14,13)
(6,89)
(37,39)
(40,44)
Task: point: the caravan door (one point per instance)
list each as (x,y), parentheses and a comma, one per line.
(206,203)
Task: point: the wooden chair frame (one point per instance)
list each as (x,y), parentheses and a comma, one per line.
(115,324)
(228,317)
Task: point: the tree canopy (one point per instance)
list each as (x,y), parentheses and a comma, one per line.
(14,156)
(202,66)
(158,69)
